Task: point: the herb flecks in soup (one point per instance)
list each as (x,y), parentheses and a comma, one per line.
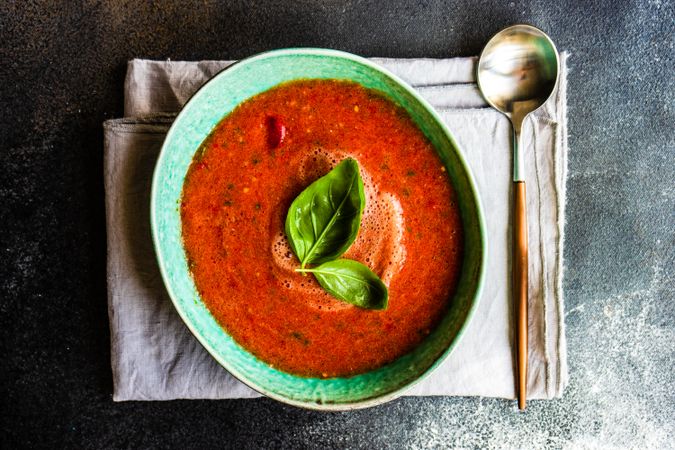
(236,195)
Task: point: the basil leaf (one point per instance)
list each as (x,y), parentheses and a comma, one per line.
(352,282)
(324,219)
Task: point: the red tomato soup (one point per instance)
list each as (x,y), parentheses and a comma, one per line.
(235,199)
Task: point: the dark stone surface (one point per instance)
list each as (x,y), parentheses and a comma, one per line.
(61,72)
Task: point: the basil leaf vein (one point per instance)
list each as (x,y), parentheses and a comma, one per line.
(351,282)
(324,220)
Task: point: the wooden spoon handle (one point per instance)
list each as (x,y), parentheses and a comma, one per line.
(520,286)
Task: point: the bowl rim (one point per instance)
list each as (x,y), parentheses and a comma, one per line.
(370,401)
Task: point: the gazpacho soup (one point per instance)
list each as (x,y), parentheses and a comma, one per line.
(321,228)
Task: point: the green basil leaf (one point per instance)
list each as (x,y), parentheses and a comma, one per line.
(352,282)
(324,219)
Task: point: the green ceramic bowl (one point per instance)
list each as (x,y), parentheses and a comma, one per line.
(194,123)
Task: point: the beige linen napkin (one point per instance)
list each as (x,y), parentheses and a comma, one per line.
(153,354)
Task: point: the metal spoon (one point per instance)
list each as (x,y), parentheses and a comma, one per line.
(517,73)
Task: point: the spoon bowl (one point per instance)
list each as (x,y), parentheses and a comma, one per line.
(518,71)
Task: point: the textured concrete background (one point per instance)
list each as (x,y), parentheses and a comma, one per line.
(61,72)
